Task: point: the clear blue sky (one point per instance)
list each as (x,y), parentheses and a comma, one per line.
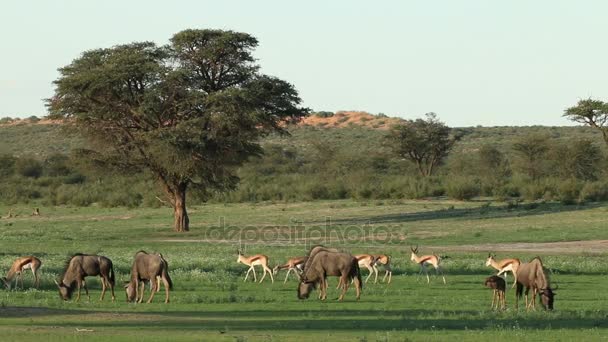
(472,62)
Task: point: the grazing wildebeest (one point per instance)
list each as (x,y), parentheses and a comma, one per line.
(498,285)
(148,267)
(504,265)
(80,266)
(16,271)
(324,262)
(532,276)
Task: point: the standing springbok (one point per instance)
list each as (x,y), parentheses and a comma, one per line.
(152,267)
(497,284)
(258,259)
(425,260)
(293,264)
(367,261)
(80,266)
(16,271)
(504,266)
(385,261)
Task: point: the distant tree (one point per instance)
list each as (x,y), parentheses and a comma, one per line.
(189,112)
(592,113)
(531,155)
(493,163)
(57,164)
(424,142)
(580,159)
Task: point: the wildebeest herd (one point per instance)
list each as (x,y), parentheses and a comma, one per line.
(312,271)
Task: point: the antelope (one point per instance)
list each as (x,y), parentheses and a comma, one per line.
(383,260)
(504,265)
(152,267)
(293,264)
(322,263)
(425,260)
(258,259)
(80,266)
(497,284)
(16,271)
(367,261)
(532,276)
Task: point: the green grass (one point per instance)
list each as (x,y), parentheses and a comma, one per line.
(211,301)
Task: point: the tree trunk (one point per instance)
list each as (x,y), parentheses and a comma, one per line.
(181,222)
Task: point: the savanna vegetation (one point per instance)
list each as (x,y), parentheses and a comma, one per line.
(211,301)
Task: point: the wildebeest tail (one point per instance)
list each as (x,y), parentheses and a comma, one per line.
(166,275)
(355,272)
(112,277)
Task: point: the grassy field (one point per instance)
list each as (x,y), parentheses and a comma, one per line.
(211,302)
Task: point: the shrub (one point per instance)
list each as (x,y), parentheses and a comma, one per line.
(462,189)
(28,167)
(569,191)
(594,192)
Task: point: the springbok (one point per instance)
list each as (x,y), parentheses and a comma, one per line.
(497,284)
(80,266)
(385,261)
(258,259)
(367,261)
(322,263)
(152,267)
(425,260)
(16,271)
(504,265)
(532,276)
(293,264)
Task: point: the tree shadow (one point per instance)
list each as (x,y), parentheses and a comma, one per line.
(481,212)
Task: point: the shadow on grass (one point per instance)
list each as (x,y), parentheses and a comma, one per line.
(333,320)
(480,213)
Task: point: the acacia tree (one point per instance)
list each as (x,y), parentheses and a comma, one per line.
(189,112)
(424,142)
(590,112)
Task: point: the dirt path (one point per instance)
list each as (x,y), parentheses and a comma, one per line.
(589,246)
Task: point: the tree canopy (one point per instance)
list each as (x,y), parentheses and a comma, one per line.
(590,112)
(425,142)
(188,112)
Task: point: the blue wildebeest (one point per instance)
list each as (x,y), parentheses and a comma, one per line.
(532,275)
(152,267)
(80,266)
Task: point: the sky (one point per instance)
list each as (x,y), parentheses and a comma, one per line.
(489,63)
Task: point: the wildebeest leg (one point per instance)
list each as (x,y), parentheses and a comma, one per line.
(166,283)
(493,296)
(141,293)
(79,285)
(152,291)
(86,289)
(345,285)
(103,287)
(358,287)
(158,283)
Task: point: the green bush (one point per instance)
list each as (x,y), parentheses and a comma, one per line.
(594,192)
(28,167)
(569,191)
(462,189)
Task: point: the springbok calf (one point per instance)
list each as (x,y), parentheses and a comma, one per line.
(504,265)
(498,285)
(16,271)
(80,266)
(385,261)
(152,267)
(293,264)
(258,259)
(367,261)
(425,260)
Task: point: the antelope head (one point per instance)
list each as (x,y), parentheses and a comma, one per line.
(490,259)
(414,252)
